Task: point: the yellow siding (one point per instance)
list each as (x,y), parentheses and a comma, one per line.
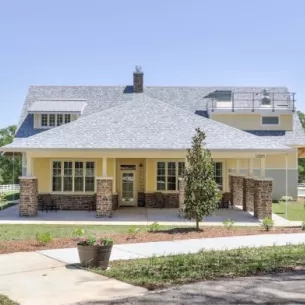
(150,175)
(253,121)
(41,169)
(272,162)
(99,167)
(110,167)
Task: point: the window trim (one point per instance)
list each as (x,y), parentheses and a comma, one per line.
(166,175)
(56,119)
(274,116)
(62,192)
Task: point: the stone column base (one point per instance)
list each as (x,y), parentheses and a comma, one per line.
(248,194)
(236,189)
(28,196)
(181,197)
(263,198)
(104,196)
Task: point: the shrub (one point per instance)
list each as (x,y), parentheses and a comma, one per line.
(268,223)
(133,231)
(288,198)
(43,238)
(78,232)
(154,227)
(228,223)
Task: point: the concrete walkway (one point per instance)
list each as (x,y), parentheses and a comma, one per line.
(142,250)
(33,279)
(135,216)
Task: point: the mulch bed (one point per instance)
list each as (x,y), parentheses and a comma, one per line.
(124,238)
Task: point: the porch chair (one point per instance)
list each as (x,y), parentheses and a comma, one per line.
(160,200)
(225,200)
(47,203)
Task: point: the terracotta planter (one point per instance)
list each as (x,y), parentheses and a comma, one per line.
(94,256)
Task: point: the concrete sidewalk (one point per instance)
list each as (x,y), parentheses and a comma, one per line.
(142,250)
(33,279)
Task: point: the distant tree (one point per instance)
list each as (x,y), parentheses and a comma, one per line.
(301,166)
(10,166)
(201,190)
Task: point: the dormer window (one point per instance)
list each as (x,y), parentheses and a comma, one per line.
(49,120)
(52,113)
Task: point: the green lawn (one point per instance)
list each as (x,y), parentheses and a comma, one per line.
(159,272)
(295,210)
(28,231)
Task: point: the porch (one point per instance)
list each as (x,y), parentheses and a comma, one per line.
(134,216)
(108,184)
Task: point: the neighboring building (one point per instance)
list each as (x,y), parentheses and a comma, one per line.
(138,135)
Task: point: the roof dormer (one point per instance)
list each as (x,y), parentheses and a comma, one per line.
(52,113)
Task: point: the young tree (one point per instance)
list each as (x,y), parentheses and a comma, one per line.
(201,191)
(301,161)
(10,167)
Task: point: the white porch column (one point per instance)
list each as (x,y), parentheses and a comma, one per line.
(237,167)
(24,165)
(29,166)
(146,175)
(104,167)
(114,178)
(250,167)
(263,167)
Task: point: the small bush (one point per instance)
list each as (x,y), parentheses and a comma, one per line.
(78,232)
(228,223)
(303,226)
(268,223)
(154,227)
(286,198)
(43,238)
(133,231)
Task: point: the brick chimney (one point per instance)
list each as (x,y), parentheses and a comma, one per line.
(138,80)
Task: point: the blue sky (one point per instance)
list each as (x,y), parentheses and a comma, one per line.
(95,42)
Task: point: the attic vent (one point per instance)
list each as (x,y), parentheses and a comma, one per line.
(265,97)
(220,95)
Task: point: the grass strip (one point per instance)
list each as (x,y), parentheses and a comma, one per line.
(160,272)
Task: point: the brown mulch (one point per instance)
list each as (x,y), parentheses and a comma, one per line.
(124,238)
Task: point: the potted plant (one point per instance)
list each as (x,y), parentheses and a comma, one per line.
(94,251)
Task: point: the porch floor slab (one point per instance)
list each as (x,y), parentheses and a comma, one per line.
(134,216)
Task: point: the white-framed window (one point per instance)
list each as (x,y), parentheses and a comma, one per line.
(168,174)
(73,176)
(270,120)
(67,118)
(218,174)
(54,119)
(44,120)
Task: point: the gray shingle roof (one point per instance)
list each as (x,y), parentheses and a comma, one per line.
(99,98)
(144,123)
(57,106)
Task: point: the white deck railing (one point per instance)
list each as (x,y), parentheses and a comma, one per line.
(9,188)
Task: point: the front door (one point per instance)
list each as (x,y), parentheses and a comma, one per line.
(128,189)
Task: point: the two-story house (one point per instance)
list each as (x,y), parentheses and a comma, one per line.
(135,138)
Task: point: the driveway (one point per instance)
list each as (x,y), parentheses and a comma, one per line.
(33,279)
(284,289)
